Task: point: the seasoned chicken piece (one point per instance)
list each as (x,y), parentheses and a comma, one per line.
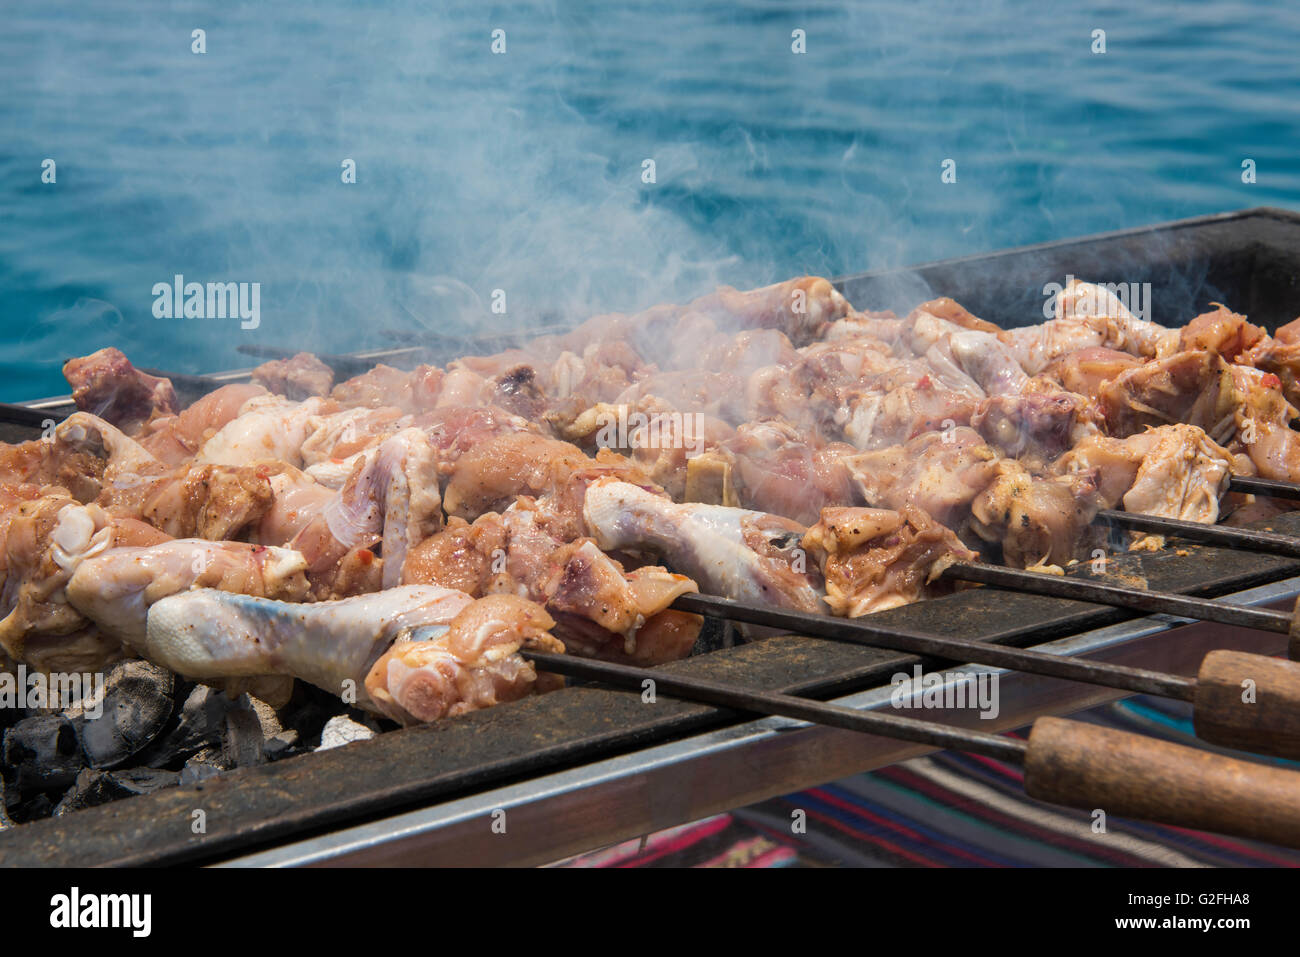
(390,497)
(601,610)
(415,653)
(606,425)
(46,539)
(732,552)
(874,559)
(719,395)
(431,672)
(1037,521)
(878,420)
(175,439)
(267,427)
(1038,424)
(1191,387)
(510,381)
(798,308)
(47,462)
(343,434)
(1085,371)
(204,501)
(938,472)
(105,384)
(1221,331)
(663,445)
(490,477)
(415,391)
(985,359)
(954,312)
(778,471)
(1280,355)
(883,326)
(205,633)
(1087,316)
(299,377)
(115,589)
(88,434)
(597,373)
(1261,424)
(1175,471)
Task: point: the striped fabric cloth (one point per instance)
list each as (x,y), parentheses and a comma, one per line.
(947,809)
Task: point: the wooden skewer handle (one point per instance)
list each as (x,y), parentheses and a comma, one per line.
(1249,702)
(1130,775)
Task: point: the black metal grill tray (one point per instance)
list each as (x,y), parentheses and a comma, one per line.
(1248,260)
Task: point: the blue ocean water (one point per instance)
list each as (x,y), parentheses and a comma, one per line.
(523,170)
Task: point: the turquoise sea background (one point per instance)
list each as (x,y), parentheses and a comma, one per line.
(522,171)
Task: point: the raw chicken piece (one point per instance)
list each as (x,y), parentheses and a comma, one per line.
(1191,387)
(268,427)
(602,611)
(383,385)
(985,359)
(204,501)
(778,471)
(1085,371)
(1087,316)
(46,539)
(1221,331)
(299,377)
(874,559)
(115,589)
(1261,424)
(1175,471)
(1037,424)
(951,311)
(1038,522)
(431,672)
(344,434)
(415,653)
(939,472)
(46,462)
(175,439)
(1280,355)
(1238,407)
(799,308)
(85,433)
(105,384)
(490,477)
(732,552)
(390,497)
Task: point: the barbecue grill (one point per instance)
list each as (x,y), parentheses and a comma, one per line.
(588,766)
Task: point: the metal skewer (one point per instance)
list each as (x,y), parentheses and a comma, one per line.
(1120,596)
(1269,724)
(1262,486)
(1224,536)
(1065,762)
(22,415)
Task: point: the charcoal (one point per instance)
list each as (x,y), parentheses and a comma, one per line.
(33,809)
(42,751)
(202,724)
(137,703)
(309,717)
(206,764)
(245,743)
(341,730)
(94,787)
(276,739)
